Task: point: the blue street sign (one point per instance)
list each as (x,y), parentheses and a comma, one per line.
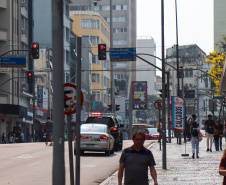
(218,97)
(13,61)
(119,56)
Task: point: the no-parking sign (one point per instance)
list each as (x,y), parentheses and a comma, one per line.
(70,98)
(158,104)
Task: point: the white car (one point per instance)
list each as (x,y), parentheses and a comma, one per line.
(95,137)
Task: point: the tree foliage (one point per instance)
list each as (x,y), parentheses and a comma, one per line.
(218,63)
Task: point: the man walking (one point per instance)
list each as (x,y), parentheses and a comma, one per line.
(136,160)
(48,128)
(209,128)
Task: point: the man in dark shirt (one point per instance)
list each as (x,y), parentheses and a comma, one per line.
(220,128)
(136,160)
(48,128)
(209,128)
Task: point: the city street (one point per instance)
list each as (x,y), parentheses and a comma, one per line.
(31,163)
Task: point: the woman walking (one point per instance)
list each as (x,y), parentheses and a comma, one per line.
(195,131)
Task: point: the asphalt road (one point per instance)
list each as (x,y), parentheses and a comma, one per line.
(31,164)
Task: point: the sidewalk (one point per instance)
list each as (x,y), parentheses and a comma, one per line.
(184,170)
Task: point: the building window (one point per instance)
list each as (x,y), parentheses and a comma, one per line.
(119,42)
(119,30)
(95,59)
(189,73)
(94,40)
(95,78)
(67,34)
(67,10)
(90,24)
(67,56)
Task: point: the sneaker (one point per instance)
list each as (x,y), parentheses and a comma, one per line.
(207,150)
(197,156)
(51,144)
(193,156)
(210,150)
(46,143)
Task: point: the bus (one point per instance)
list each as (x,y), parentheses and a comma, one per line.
(140,126)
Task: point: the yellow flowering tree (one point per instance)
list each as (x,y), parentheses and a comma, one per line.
(218,62)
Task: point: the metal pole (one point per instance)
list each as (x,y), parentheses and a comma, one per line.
(178,75)
(70,149)
(112,63)
(130,111)
(58,95)
(33,99)
(160,134)
(163,95)
(169,108)
(78,109)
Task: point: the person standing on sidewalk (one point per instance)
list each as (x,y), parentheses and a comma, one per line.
(222,167)
(220,128)
(209,128)
(195,132)
(136,160)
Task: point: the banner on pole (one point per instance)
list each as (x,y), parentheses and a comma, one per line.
(178,112)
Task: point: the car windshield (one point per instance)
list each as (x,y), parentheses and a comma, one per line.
(152,130)
(92,128)
(102,120)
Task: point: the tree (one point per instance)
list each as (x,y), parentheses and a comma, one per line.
(218,63)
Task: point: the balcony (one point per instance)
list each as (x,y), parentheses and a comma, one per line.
(3,4)
(3,34)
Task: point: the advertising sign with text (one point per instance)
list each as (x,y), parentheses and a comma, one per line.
(178,112)
(139,95)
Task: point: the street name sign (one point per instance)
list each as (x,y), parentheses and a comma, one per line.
(120,54)
(11,61)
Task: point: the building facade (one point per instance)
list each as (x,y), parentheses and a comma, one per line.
(219,23)
(195,86)
(124,33)
(91,26)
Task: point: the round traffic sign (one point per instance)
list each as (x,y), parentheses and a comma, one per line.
(158,104)
(70,98)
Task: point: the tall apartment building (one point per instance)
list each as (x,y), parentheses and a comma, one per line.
(147,46)
(219,22)
(124,32)
(91,25)
(14,99)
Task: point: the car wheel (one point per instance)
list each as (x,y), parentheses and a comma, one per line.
(107,152)
(112,151)
(116,146)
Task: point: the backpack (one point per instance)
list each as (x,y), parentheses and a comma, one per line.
(195,132)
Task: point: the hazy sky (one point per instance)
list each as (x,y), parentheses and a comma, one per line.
(195,22)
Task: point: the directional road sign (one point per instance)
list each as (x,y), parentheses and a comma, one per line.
(70,98)
(13,61)
(122,56)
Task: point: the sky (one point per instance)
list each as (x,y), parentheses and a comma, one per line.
(195,23)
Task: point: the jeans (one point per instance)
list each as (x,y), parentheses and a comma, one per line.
(195,145)
(220,142)
(209,140)
(217,144)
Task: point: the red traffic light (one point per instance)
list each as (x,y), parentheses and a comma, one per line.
(34,45)
(101,47)
(29,74)
(3,117)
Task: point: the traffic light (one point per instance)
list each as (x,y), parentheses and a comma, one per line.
(117,107)
(181,72)
(3,118)
(35,50)
(161,93)
(102,51)
(30,76)
(110,107)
